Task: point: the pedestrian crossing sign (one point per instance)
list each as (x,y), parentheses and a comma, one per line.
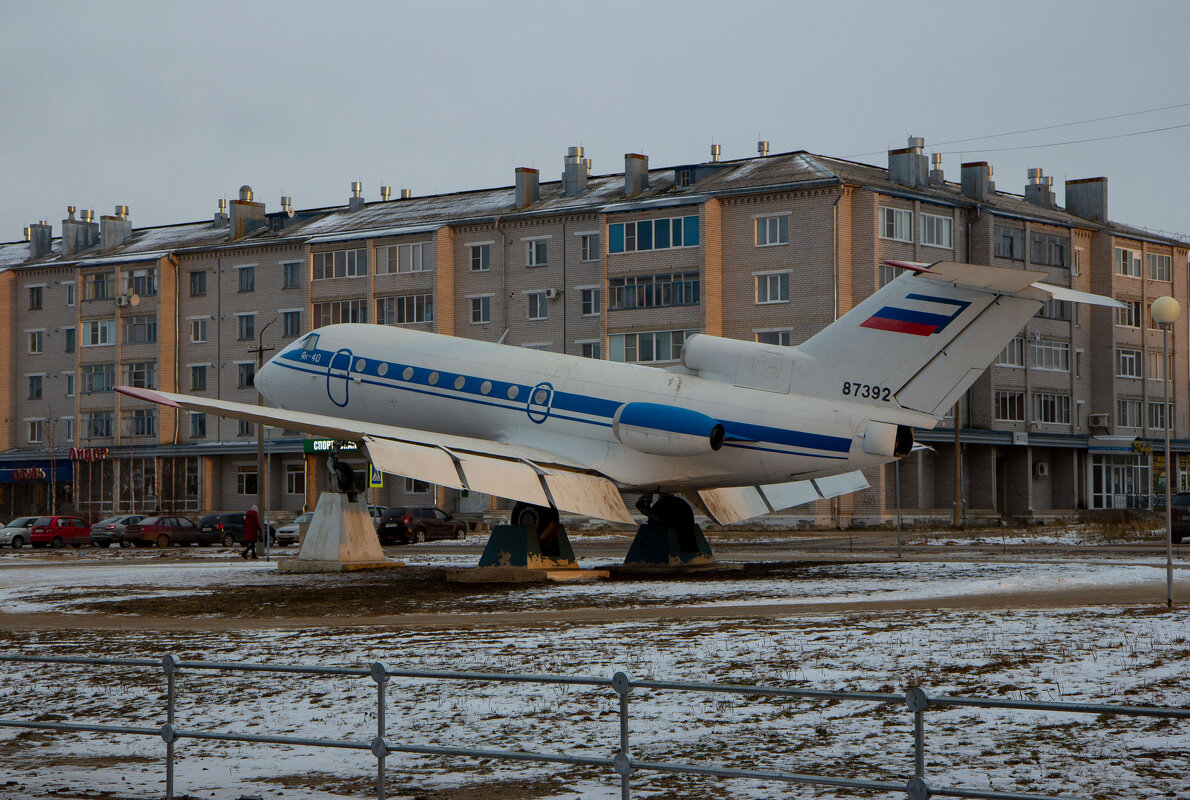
(375,478)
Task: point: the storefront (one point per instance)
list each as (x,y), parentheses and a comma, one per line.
(27,487)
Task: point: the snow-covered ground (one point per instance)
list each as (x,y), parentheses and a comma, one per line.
(1130,655)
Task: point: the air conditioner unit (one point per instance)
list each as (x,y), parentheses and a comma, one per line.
(1101,421)
(1042,468)
(552,294)
(122,300)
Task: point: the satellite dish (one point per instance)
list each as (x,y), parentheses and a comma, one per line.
(134,300)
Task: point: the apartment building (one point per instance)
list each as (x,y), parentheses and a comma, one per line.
(621,266)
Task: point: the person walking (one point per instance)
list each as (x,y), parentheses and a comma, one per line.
(251,531)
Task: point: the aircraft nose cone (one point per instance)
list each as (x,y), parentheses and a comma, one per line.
(265,381)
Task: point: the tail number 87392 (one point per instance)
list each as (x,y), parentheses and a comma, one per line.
(866,391)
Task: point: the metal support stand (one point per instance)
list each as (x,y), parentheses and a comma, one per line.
(379,745)
(622,762)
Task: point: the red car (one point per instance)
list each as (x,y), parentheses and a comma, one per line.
(59,531)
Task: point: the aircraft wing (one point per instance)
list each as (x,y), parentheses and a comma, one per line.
(526,474)
(738,503)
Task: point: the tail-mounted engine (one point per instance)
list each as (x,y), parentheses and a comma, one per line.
(666,430)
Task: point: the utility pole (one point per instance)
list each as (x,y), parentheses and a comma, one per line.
(262,488)
(957,519)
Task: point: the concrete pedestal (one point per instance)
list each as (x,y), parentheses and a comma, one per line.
(341,538)
(520,546)
(656,546)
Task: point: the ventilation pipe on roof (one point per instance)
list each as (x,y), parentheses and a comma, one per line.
(1040,189)
(936,176)
(977,182)
(41,239)
(246,216)
(715,153)
(762,147)
(77,234)
(909,166)
(114,230)
(26,233)
(356,201)
(1087,198)
(528,189)
(574,173)
(386,193)
(406,194)
(287,205)
(636,174)
(220,219)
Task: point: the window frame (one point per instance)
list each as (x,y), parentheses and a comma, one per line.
(773,229)
(944,225)
(892,219)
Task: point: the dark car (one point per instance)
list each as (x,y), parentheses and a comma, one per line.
(1179,516)
(165,530)
(110,531)
(404,525)
(228,529)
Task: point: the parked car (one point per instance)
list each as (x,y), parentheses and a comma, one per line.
(165,530)
(59,531)
(16,533)
(377,513)
(291,533)
(110,531)
(404,525)
(1179,516)
(228,529)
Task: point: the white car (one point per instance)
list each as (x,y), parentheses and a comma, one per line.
(289,534)
(16,533)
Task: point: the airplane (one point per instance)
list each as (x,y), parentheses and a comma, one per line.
(737,428)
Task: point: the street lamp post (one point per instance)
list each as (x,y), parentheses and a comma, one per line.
(262,484)
(1166,311)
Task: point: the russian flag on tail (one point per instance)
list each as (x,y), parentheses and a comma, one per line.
(917,314)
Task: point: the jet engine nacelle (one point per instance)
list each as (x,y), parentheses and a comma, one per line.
(666,430)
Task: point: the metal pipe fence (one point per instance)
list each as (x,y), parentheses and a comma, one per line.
(916,700)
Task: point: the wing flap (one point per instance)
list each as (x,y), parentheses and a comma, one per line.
(515,480)
(430,464)
(734,504)
(590,495)
(739,503)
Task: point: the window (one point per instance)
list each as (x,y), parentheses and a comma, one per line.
(337,311)
(589,302)
(68,287)
(291,275)
(413,257)
(1159,367)
(198,283)
(772,230)
(98,286)
(291,322)
(886,274)
(68,378)
(1129,316)
(653,234)
(1051,355)
(198,330)
(245,326)
(648,346)
(481,310)
(1127,262)
(246,374)
(141,282)
(896,224)
(589,349)
(414,486)
(1076,263)
(1159,268)
(589,246)
(68,428)
(139,422)
(36,297)
(1013,355)
(405,310)
(937,231)
(141,329)
(141,374)
(1157,415)
(1049,249)
(481,257)
(69,341)
(1053,409)
(247,279)
(98,378)
(295,478)
(1128,364)
(198,377)
(1055,309)
(198,425)
(36,430)
(1010,242)
(35,386)
(772,287)
(1128,413)
(245,428)
(538,305)
(537,252)
(655,291)
(783,338)
(246,480)
(1010,406)
(97,424)
(36,341)
(98,332)
(341,264)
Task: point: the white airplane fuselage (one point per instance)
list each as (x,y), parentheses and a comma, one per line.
(643,427)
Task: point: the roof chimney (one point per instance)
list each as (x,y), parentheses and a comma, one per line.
(246,217)
(356,201)
(41,239)
(574,173)
(636,174)
(386,193)
(908,166)
(762,147)
(1040,189)
(977,181)
(406,194)
(287,205)
(77,234)
(221,214)
(936,176)
(114,230)
(1087,198)
(527,187)
(714,153)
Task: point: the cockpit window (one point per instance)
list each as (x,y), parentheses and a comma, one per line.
(310,343)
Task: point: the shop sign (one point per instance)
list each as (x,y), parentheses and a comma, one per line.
(310,446)
(89,453)
(29,474)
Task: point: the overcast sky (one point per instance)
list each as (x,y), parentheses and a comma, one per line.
(167,107)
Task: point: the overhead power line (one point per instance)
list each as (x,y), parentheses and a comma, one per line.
(1072,141)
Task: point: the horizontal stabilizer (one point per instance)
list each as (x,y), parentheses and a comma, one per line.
(738,503)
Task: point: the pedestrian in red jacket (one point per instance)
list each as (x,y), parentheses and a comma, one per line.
(251,531)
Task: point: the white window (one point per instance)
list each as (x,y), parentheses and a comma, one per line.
(1051,355)
(1013,355)
(1053,409)
(589,301)
(245,374)
(68,382)
(246,480)
(35,386)
(538,305)
(782,337)
(1158,366)
(772,230)
(481,309)
(142,282)
(537,252)
(291,322)
(937,231)
(648,346)
(1129,315)
(245,326)
(36,296)
(98,332)
(1159,267)
(341,264)
(198,377)
(1128,413)
(413,257)
(1127,262)
(414,486)
(291,275)
(589,348)
(887,273)
(481,257)
(1076,263)
(1010,406)
(772,287)
(405,310)
(1128,364)
(589,245)
(36,430)
(71,297)
(247,278)
(336,311)
(295,478)
(1157,415)
(198,330)
(68,428)
(896,224)
(245,428)
(140,329)
(37,341)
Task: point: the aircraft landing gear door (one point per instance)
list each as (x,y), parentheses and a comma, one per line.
(338,377)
